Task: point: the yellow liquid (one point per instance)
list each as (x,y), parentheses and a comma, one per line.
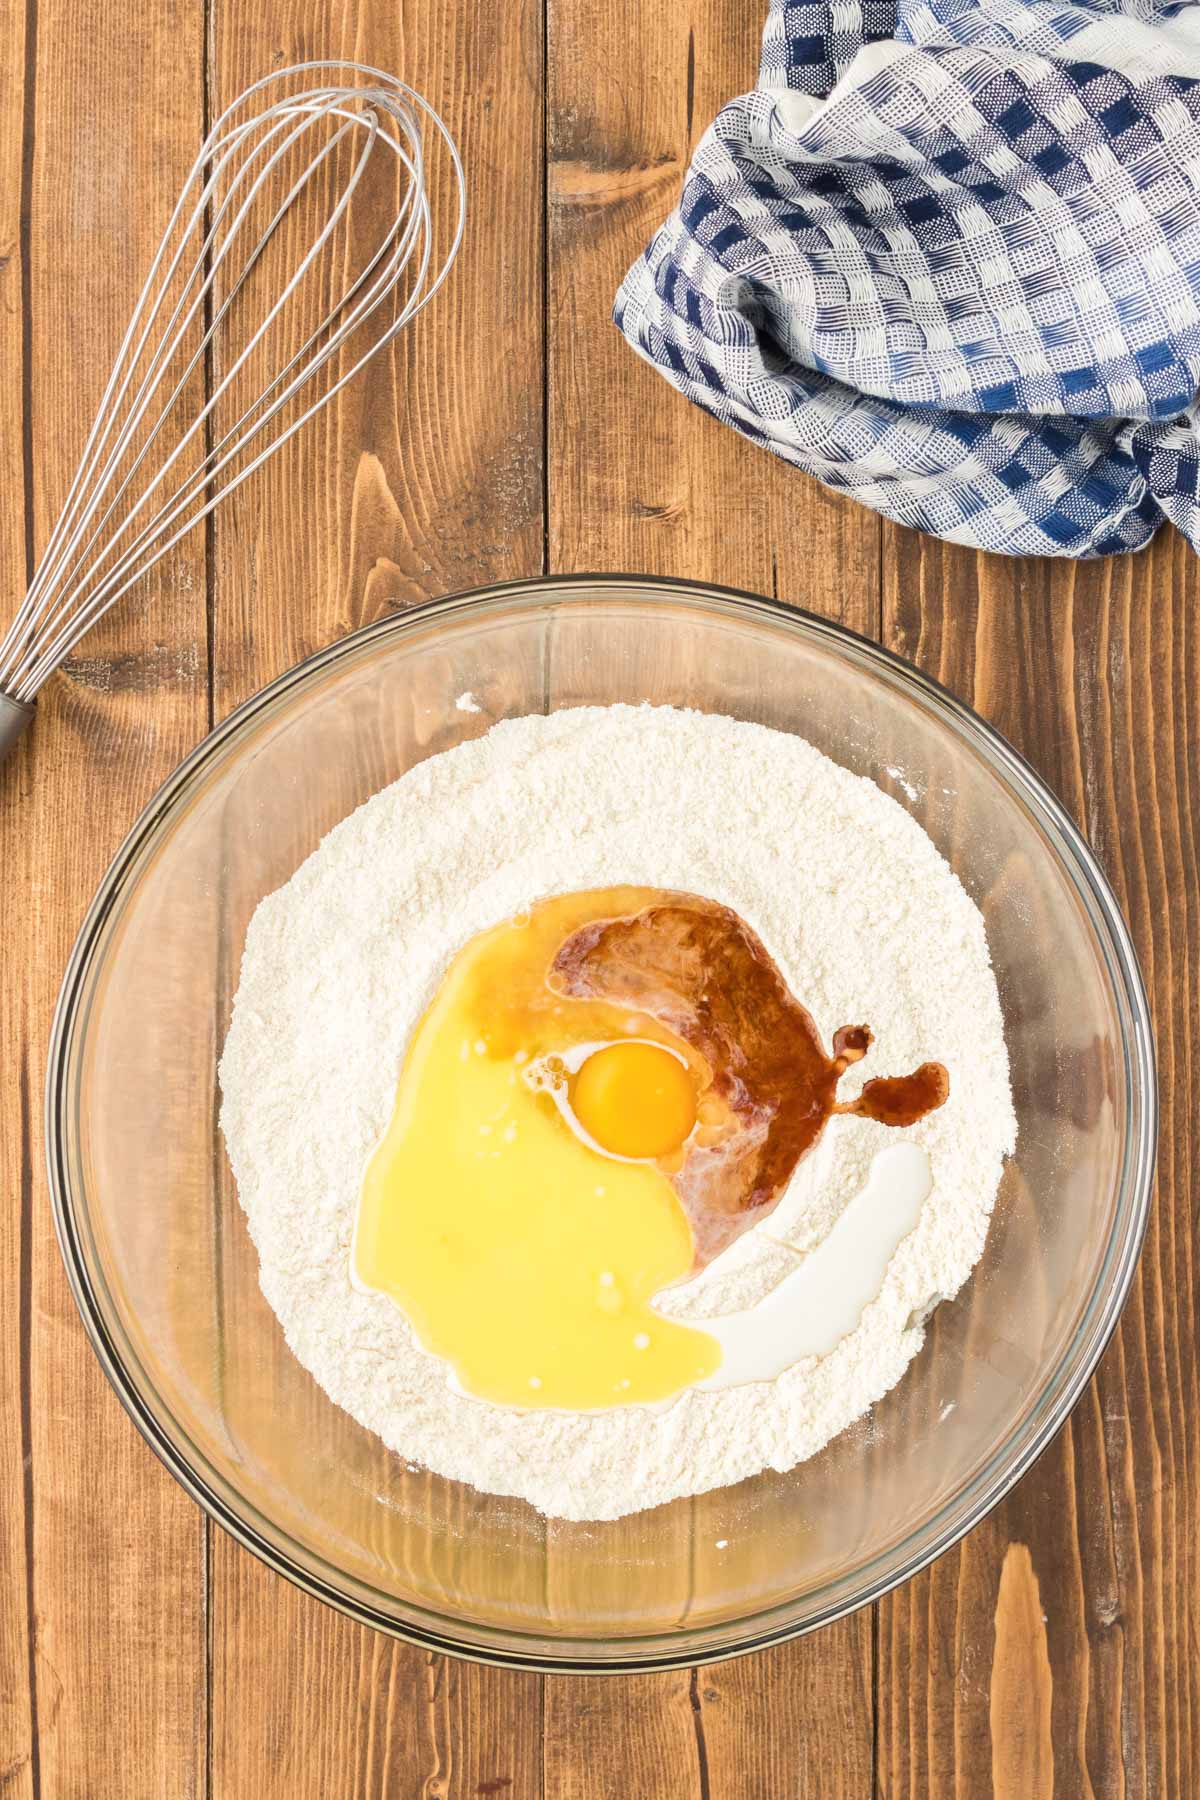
(523,1257)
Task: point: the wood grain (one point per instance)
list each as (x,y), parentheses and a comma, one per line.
(19,1725)
(112,1594)
(1022,1684)
(1054,1652)
(639,480)
(1093,672)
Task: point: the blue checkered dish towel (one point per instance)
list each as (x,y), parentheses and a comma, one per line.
(946,258)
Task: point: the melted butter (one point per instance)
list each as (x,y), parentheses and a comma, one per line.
(602,1096)
(524,1258)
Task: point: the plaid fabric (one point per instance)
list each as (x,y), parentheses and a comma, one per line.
(946,258)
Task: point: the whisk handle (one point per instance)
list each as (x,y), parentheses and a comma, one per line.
(15,718)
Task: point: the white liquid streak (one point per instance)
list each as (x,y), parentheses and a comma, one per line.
(822,1301)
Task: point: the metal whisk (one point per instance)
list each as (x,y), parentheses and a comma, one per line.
(218,322)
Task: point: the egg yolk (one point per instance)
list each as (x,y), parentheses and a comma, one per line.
(635,1100)
(517,1251)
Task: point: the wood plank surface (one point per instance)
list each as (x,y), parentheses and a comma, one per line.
(1080,1592)
(19,1726)
(109,1694)
(141,1651)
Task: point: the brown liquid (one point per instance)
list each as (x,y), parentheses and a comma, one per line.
(768,1086)
(901,1099)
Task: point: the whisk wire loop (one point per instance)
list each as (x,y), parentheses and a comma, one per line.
(109,419)
(131,500)
(52,571)
(142,400)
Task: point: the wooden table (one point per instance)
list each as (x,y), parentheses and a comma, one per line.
(141,1652)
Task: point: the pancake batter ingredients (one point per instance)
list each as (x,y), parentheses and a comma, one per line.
(695,969)
(864,921)
(606,1091)
(520,1254)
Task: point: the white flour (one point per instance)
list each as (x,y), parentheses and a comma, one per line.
(866,921)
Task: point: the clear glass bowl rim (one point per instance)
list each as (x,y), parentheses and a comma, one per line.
(684,1646)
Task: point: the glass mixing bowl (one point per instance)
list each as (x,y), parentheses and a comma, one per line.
(165,1275)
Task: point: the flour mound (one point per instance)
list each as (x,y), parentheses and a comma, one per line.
(865,920)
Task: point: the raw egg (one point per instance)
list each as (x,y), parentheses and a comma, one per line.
(635,1100)
(603,1094)
(520,1252)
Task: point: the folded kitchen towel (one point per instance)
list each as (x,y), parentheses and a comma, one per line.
(946,258)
